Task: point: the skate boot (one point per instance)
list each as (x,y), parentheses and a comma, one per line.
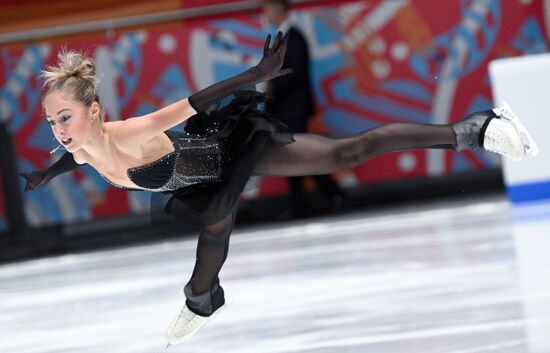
(506,114)
(190,319)
(498,130)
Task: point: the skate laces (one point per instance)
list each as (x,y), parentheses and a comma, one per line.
(497,142)
(186,321)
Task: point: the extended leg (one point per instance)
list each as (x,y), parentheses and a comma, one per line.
(314,154)
(498,130)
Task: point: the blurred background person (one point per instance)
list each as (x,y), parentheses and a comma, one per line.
(293,103)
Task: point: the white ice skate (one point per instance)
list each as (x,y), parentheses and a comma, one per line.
(507,136)
(186,324)
(506,113)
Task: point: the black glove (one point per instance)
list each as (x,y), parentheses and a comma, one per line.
(35,179)
(272,61)
(38,178)
(268,68)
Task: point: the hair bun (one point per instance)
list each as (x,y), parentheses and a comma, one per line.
(70,64)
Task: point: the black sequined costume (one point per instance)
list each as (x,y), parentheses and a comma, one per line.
(212,161)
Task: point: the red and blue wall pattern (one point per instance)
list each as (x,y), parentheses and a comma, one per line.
(372,62)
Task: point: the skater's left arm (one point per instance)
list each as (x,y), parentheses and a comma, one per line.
(269,67)
(139,130)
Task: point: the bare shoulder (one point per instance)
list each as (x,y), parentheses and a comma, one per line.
(121,138)
(113,126)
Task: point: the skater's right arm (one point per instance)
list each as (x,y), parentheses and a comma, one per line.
(38,178)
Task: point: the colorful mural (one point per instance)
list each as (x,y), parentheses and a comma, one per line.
(372,62)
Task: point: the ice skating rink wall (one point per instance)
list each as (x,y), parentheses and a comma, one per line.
(524,82)
(372,62)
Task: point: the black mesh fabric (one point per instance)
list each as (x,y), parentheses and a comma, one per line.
(242,133)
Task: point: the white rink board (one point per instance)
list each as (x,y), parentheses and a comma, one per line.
(524,82)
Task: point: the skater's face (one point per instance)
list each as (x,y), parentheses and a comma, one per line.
(71,121)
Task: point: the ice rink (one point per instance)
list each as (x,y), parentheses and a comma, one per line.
(460,276)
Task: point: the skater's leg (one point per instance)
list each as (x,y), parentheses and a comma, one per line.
(313,154)
(497,130)
(203,292)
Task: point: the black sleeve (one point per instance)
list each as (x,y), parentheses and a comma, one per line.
(38,178)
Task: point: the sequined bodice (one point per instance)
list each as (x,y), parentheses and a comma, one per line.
(194,160)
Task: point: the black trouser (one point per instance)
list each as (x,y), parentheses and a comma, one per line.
(297,191)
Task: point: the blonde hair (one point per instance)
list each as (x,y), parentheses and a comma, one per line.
(74,73)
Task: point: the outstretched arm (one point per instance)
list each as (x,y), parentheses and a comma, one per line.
(38,178)
(268,68)
(142,129)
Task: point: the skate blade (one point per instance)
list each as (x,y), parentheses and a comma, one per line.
(506,112)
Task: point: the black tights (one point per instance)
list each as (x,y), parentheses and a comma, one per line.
(311,155)
(314,154)
(211,253)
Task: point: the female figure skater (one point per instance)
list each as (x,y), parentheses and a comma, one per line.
(200,172)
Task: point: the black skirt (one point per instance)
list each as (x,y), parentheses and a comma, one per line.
(245,133)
